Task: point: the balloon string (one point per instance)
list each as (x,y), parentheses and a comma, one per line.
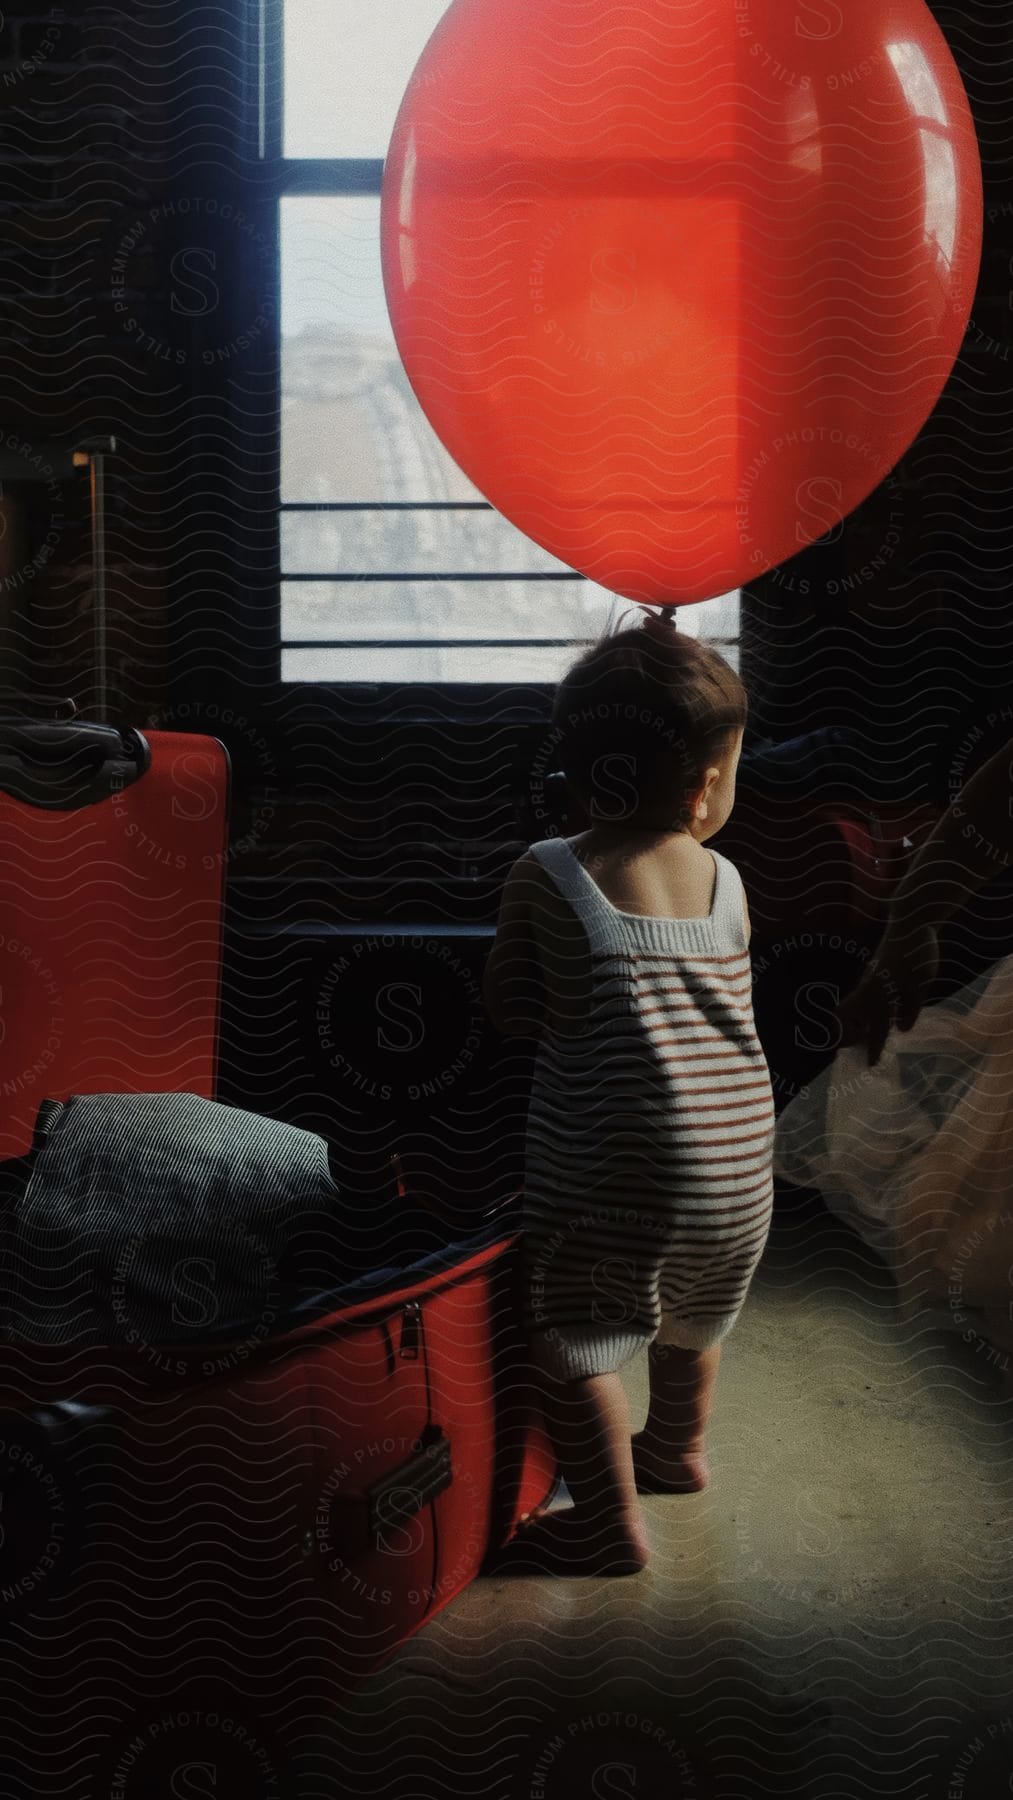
(662,615)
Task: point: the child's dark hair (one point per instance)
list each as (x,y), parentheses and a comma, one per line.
(640,717)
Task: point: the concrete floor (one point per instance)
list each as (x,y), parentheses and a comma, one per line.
(830,1619)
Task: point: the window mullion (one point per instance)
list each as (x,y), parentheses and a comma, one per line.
(328,176)
(271,86)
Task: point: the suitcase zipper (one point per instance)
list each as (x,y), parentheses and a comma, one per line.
(385,1316)
(411,1331)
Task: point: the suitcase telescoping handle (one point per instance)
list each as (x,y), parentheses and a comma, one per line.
(461,1218)
(404,1491)
(65,764)
(364,1518)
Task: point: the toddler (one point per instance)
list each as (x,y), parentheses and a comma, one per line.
(648,1185)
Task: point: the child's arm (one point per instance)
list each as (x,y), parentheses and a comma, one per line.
(512,986)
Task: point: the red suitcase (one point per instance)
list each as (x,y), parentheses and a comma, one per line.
(242,1529)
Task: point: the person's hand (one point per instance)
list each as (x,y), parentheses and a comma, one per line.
(893,989)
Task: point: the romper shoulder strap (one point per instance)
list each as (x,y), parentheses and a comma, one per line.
(578,889)
(729,914)
(722,933)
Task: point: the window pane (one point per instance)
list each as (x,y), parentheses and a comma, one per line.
(407,612)
(328,612)
(522,663)
(347,64)
(714,619)
(351,427)
(352,431)
(423,543)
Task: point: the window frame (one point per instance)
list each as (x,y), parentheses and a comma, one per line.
(278,178)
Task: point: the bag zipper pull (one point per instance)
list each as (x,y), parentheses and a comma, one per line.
(411,1331)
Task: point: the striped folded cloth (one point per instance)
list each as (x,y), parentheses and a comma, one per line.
(148,1219)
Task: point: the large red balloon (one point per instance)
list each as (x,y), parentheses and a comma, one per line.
(678,281)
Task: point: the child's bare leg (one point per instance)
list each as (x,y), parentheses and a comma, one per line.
(604,1532)
(668,1455)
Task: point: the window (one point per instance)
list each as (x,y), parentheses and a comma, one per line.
(394,568)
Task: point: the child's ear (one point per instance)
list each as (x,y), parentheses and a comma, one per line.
(700,804)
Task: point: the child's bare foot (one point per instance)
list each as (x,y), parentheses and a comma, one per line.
(563,1543)
(661,1470)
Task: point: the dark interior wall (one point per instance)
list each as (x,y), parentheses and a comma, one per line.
(136,291)
(138,298)
(904,622)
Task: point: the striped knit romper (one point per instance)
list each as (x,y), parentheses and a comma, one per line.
(648,1184)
